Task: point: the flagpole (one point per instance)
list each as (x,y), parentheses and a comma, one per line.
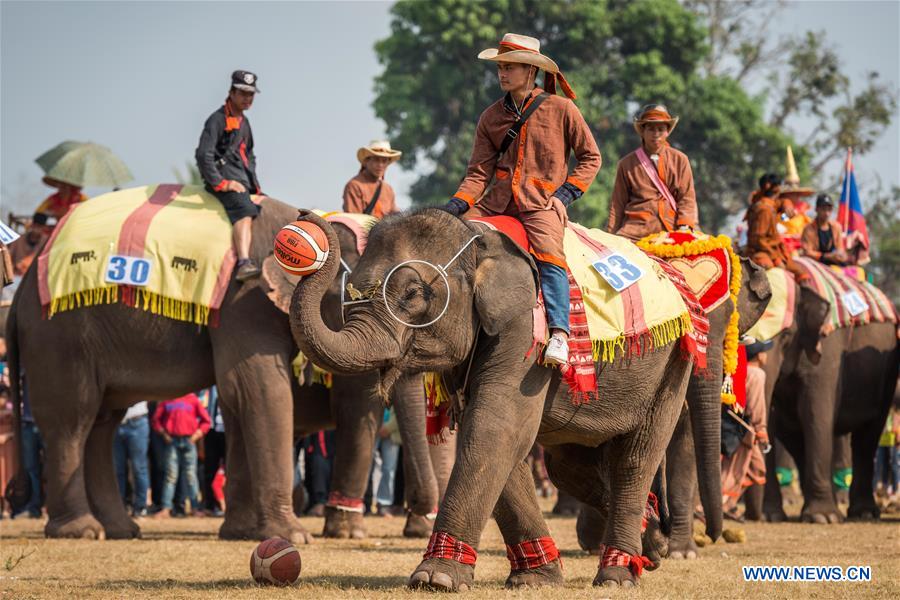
(845,192)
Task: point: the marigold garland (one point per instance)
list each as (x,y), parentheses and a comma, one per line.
(704,246)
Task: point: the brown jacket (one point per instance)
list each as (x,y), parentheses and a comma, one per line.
(637,209)
(536,165)
(764,244)
(809,241)
(360,190)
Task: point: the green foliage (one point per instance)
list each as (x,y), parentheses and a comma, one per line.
(884,236)
(618,55)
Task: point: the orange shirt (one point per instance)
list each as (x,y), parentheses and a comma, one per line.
(360,190)
(58,204)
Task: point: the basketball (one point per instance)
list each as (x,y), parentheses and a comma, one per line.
(301,248)
(275,561)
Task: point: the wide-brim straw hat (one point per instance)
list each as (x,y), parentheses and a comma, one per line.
(381,148)
(654,113)
(523,49)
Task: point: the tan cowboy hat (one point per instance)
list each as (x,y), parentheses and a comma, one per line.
(523,49)
(380,148)
(654,113)
(526,50)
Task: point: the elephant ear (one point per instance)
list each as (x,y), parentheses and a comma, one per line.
(813,310)
(756,280)
(277,284)
(506,281)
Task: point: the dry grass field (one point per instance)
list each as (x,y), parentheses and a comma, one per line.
(181,558)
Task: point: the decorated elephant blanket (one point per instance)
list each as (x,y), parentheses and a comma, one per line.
(779,313)
(853,302)
(622,301)
(163,248)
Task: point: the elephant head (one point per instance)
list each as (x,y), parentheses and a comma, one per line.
(480,288)
(812,310)
(754,295)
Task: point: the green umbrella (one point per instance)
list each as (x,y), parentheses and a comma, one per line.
(84,164)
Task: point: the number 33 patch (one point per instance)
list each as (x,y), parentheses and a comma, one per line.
(618,271)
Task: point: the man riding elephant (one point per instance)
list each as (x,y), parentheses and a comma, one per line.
(654,189)
(519,167)
(367,192)
(764,244)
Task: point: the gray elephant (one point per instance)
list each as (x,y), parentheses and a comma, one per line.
(820,386)
(86,366)
(476,330)
(695,447)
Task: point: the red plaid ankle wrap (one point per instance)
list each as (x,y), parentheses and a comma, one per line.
(444,545)
(531,554)
(617,558)
(342,502)
(651,511)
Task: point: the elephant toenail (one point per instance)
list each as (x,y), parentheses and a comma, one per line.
(442,580)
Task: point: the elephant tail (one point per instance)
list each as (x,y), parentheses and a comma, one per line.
(18,488)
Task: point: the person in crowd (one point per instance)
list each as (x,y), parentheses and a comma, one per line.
(24,250)
(214,452)
(887,457)
(525,173)
(368,193)
(319,461)
(130,445)
(387,447)
(228,166)
(181,422)
(654,187)
(764,244)
(32,450)
(57,204)
(822,239)
(747,466)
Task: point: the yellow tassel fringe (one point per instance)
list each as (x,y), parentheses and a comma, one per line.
(171,308)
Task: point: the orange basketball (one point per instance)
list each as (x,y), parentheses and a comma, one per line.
(301,248)
(275,561)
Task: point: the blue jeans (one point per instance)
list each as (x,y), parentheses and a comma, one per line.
(131,444)
(887,467)
(31,461)
(389,452)
(555,287)
(181,457)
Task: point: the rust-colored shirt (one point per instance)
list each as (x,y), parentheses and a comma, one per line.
(637,209)
(536,164)
(762,233)
(809,241)
(360,190)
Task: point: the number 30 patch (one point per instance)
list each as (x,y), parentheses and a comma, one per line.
(618,271)
(128,270)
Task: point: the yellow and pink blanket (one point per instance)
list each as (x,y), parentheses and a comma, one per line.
(165,249)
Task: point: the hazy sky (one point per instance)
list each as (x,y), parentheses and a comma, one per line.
(142,77)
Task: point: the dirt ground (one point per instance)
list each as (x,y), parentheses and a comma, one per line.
(182,558)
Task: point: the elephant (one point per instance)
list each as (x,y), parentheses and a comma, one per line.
(125,355)
(471,320)
(819,386)
(695,444)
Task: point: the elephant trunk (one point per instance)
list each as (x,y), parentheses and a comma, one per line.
(421,483)
(705,409)
(357,347)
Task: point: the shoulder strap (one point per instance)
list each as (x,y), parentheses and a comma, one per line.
(371,206)
(650,169)
(513,132)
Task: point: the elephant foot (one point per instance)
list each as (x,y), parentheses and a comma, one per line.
(863,513)
(543,576)
(775,516)
(417,526)
(442,575)
(683,549)
(343,524)
(83,526)
(566,506)
(125,530)
(654,544)
(288,527)
(821,518)
(240,523)
(615,577)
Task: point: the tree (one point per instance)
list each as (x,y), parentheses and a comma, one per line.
(617,55)
(884,236)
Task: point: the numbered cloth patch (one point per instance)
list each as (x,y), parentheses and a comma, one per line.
(851,302)
(165,249)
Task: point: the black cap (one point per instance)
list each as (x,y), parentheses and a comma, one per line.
(824,200)
(769,179)
(244,80)
(757,348)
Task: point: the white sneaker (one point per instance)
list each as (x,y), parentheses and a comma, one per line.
(557,352)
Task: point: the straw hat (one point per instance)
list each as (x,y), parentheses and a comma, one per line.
(654,113)
(526,50)
(380,148)
(523,49)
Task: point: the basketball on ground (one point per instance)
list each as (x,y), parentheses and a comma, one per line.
(301,248)
(275,561)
